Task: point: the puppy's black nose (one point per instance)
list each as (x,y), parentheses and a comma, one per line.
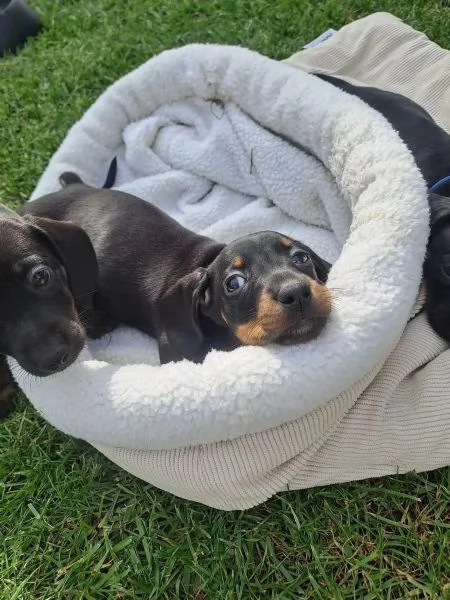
(295,295)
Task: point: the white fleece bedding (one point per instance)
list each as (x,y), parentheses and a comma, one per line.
(216,136)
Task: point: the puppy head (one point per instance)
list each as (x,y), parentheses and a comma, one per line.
(48,270)
(437,266)
(268,288)
(262,288)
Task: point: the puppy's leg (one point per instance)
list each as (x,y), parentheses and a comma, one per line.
(8,388)
(98,323)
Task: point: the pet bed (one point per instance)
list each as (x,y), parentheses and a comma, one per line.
(230,142)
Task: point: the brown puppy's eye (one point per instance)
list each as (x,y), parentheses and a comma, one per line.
(234,282)
(300,258)
(40,277)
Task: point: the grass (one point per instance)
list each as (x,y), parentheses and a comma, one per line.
(75,527)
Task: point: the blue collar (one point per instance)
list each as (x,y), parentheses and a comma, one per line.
(435,187)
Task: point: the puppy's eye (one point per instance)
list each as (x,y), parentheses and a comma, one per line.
(300,258)
(234,282)
(40,277)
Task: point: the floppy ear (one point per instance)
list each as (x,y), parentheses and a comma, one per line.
(74,249)
(321,266)
(439,208)
(180,334)
(437,260)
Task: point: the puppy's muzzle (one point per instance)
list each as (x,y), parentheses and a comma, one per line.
(288,312)
(47,356)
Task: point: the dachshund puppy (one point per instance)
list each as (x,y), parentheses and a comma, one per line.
(430,146)
(263,288)
(48,273)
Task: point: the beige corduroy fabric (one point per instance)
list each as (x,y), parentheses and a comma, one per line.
(396,419)
(383,51)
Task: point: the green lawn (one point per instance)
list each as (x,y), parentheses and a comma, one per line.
(72,525)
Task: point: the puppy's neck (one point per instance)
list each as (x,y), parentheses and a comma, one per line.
(218,337)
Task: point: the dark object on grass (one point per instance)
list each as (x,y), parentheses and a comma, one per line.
(17,23)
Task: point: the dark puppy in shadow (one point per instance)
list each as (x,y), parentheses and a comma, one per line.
(430,146)
(48,274)
(79,262)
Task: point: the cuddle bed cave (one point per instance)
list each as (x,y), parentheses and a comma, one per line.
(229,142)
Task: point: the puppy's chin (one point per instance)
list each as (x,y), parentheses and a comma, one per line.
(52,357)
(300,333)
(292,333)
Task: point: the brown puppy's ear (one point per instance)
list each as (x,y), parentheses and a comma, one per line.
(321,266)
(180,334)
(74,249)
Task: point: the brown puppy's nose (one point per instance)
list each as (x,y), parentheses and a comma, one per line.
(295,295)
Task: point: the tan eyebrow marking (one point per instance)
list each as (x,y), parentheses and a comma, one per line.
(286,242)
(238,262)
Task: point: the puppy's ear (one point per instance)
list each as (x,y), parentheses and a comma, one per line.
(321,266)
(179,311)
(437,260)
(74,249)
(439,209)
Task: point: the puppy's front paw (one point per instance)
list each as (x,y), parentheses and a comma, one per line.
(99,324)
(7,389)
(7,400)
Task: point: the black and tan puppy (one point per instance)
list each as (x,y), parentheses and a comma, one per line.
(48,273)
(80,261)
(430,146)
(260,289)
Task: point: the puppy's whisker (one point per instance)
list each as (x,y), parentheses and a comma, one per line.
(84,323)
(249,314)
(86,294)
(20,374)
(338,302)
(348,290)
